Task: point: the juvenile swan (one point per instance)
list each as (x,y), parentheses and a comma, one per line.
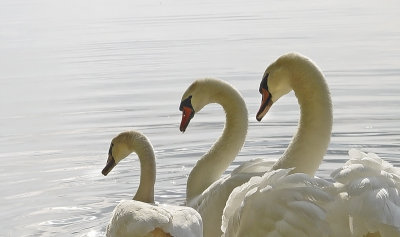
(206,191)
(141,217)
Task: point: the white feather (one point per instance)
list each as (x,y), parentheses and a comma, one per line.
(137,218)
(372,186)
(277,204)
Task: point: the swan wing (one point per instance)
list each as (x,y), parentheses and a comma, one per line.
(372,194)
(185,221)
(138,219)
(211,202)
(254,166)
(278,204)
(134,218)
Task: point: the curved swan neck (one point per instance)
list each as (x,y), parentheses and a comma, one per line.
(143,148)
(213,164)
(311,140)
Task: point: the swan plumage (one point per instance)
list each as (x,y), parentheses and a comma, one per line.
(207,191)
(141,217)
(278,204)
(370,188)
(309,144)
(364,200)
(255,209)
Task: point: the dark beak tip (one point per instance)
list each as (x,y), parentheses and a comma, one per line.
(109,166)
(104,172)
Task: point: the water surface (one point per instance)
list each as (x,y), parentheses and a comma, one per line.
(74,74)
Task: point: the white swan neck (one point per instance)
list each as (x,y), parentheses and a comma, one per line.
(145,152)
(312,138)
(213,164)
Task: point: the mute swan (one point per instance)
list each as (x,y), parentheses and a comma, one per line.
(141,217)
(286,217)
(369,201)
(300,74)
(206,191)
(367,182)
(278,204)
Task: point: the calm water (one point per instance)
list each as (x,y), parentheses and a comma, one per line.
(74,74)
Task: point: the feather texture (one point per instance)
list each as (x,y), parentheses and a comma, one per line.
(278,204)
(372,194)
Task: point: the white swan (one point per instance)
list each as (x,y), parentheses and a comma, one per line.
(206,191)
(304,154)
(300,74)
(278,204)
(369,200)
(140,217)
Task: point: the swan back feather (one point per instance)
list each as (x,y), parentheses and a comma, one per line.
(278,204)
(138,219)
(372,199)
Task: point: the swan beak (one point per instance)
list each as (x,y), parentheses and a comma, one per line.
(109,166)
(266,104)
(187,115)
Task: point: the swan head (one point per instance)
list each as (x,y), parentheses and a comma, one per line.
(120,148)
(274,84)
(193,100)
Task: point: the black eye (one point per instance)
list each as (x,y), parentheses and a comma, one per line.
(186,103)
(263,84)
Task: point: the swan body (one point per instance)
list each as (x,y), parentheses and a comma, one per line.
(141,217)
(370,196)
(207,191)
(278,204)
(364,200)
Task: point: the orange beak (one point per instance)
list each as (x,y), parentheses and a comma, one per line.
(187,115)
(266,104)
(187,112)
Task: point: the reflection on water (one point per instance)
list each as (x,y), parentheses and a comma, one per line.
(76,74)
